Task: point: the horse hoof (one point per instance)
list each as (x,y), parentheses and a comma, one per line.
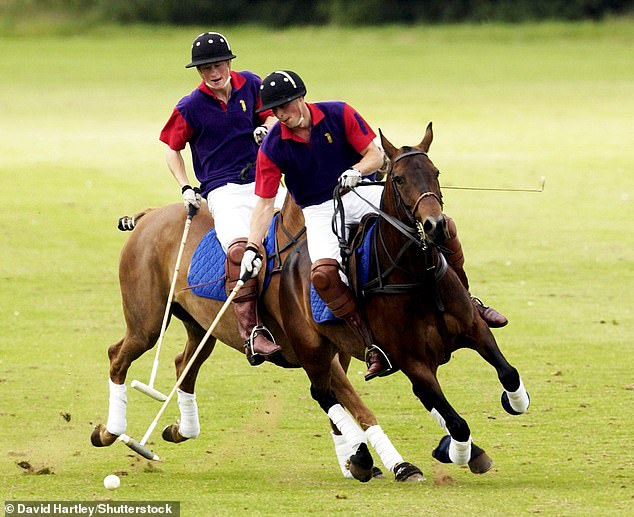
(255,359)
(171,434)
(408,472)
(100,437)
(506,404)
(377,473)
(441,452)
(361,463)
(481,462)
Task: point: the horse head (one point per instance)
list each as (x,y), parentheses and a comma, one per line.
(413,190)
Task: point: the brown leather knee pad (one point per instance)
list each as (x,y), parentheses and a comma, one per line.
(456,257)
(333,291)
(235,253)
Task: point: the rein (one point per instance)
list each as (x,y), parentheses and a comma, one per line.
(292,241)
(413,233)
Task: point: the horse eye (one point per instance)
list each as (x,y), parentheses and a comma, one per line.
(399,180)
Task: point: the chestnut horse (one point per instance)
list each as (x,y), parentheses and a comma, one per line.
(417,308)
(145,275)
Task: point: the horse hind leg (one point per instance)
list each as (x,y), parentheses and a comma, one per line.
(188,426)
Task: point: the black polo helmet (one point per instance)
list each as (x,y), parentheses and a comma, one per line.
(210,47)
(280,87)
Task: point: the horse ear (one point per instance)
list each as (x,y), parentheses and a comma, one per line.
(389,149)
(426,142)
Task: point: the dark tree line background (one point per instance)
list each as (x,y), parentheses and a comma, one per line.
(322,12)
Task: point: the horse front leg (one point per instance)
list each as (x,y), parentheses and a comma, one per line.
(515,399)
(188,426)
(457,446)
(390,457)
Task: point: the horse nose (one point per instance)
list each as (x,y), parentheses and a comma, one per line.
(429,225)
(434,228)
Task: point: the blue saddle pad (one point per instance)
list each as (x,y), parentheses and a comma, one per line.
(321,312)
(206,275)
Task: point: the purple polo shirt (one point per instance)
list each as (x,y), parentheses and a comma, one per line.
(312,169)
(220,135)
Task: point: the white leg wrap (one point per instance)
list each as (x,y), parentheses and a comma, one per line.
(347,426)
(117,402)
(518,399)
(438,418)
(383,447)
(460,452)
(189,426)
(343,452)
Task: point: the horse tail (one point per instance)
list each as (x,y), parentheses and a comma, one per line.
(128,223)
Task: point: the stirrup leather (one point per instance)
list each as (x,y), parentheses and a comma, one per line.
(386,360)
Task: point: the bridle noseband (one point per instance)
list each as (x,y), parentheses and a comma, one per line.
(411,213)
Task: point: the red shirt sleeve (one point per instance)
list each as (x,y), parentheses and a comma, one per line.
(358,131)
(176,132)
(267,176)
(264,114)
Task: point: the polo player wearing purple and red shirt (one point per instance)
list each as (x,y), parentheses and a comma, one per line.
(316,146)
(221,123)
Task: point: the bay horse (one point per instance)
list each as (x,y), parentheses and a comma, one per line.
(145,275)
(416,307)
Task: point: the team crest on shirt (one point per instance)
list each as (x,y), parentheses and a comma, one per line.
(328,137)
(243,104)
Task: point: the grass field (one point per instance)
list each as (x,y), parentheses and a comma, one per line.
(79,123)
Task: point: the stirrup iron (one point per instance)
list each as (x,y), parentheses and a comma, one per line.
(255,358)
(390,369)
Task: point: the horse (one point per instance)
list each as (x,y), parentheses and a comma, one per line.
(145,277)
(416,307)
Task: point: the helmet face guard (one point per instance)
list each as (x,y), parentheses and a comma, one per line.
(210,47)
(279,88)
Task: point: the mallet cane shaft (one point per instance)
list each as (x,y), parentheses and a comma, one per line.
(542,182)
(149,389)
(140,446)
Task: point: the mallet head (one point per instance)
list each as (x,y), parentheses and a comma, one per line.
(148,390)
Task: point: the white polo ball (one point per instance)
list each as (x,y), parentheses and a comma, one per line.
(111,482)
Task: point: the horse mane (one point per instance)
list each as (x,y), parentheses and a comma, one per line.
(127,223)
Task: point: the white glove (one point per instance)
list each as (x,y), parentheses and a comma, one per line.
(259,133)
(350,178)
(251,262)
(191,196)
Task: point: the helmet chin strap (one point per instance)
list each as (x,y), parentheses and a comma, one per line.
(223,86)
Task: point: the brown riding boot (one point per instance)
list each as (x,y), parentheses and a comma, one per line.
(259,343)
(455,258)
(340,300)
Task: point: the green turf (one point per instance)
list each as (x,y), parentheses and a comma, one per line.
(79,123)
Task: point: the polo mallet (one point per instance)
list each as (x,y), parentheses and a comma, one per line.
(538,189)
(140,447)
(149,389)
